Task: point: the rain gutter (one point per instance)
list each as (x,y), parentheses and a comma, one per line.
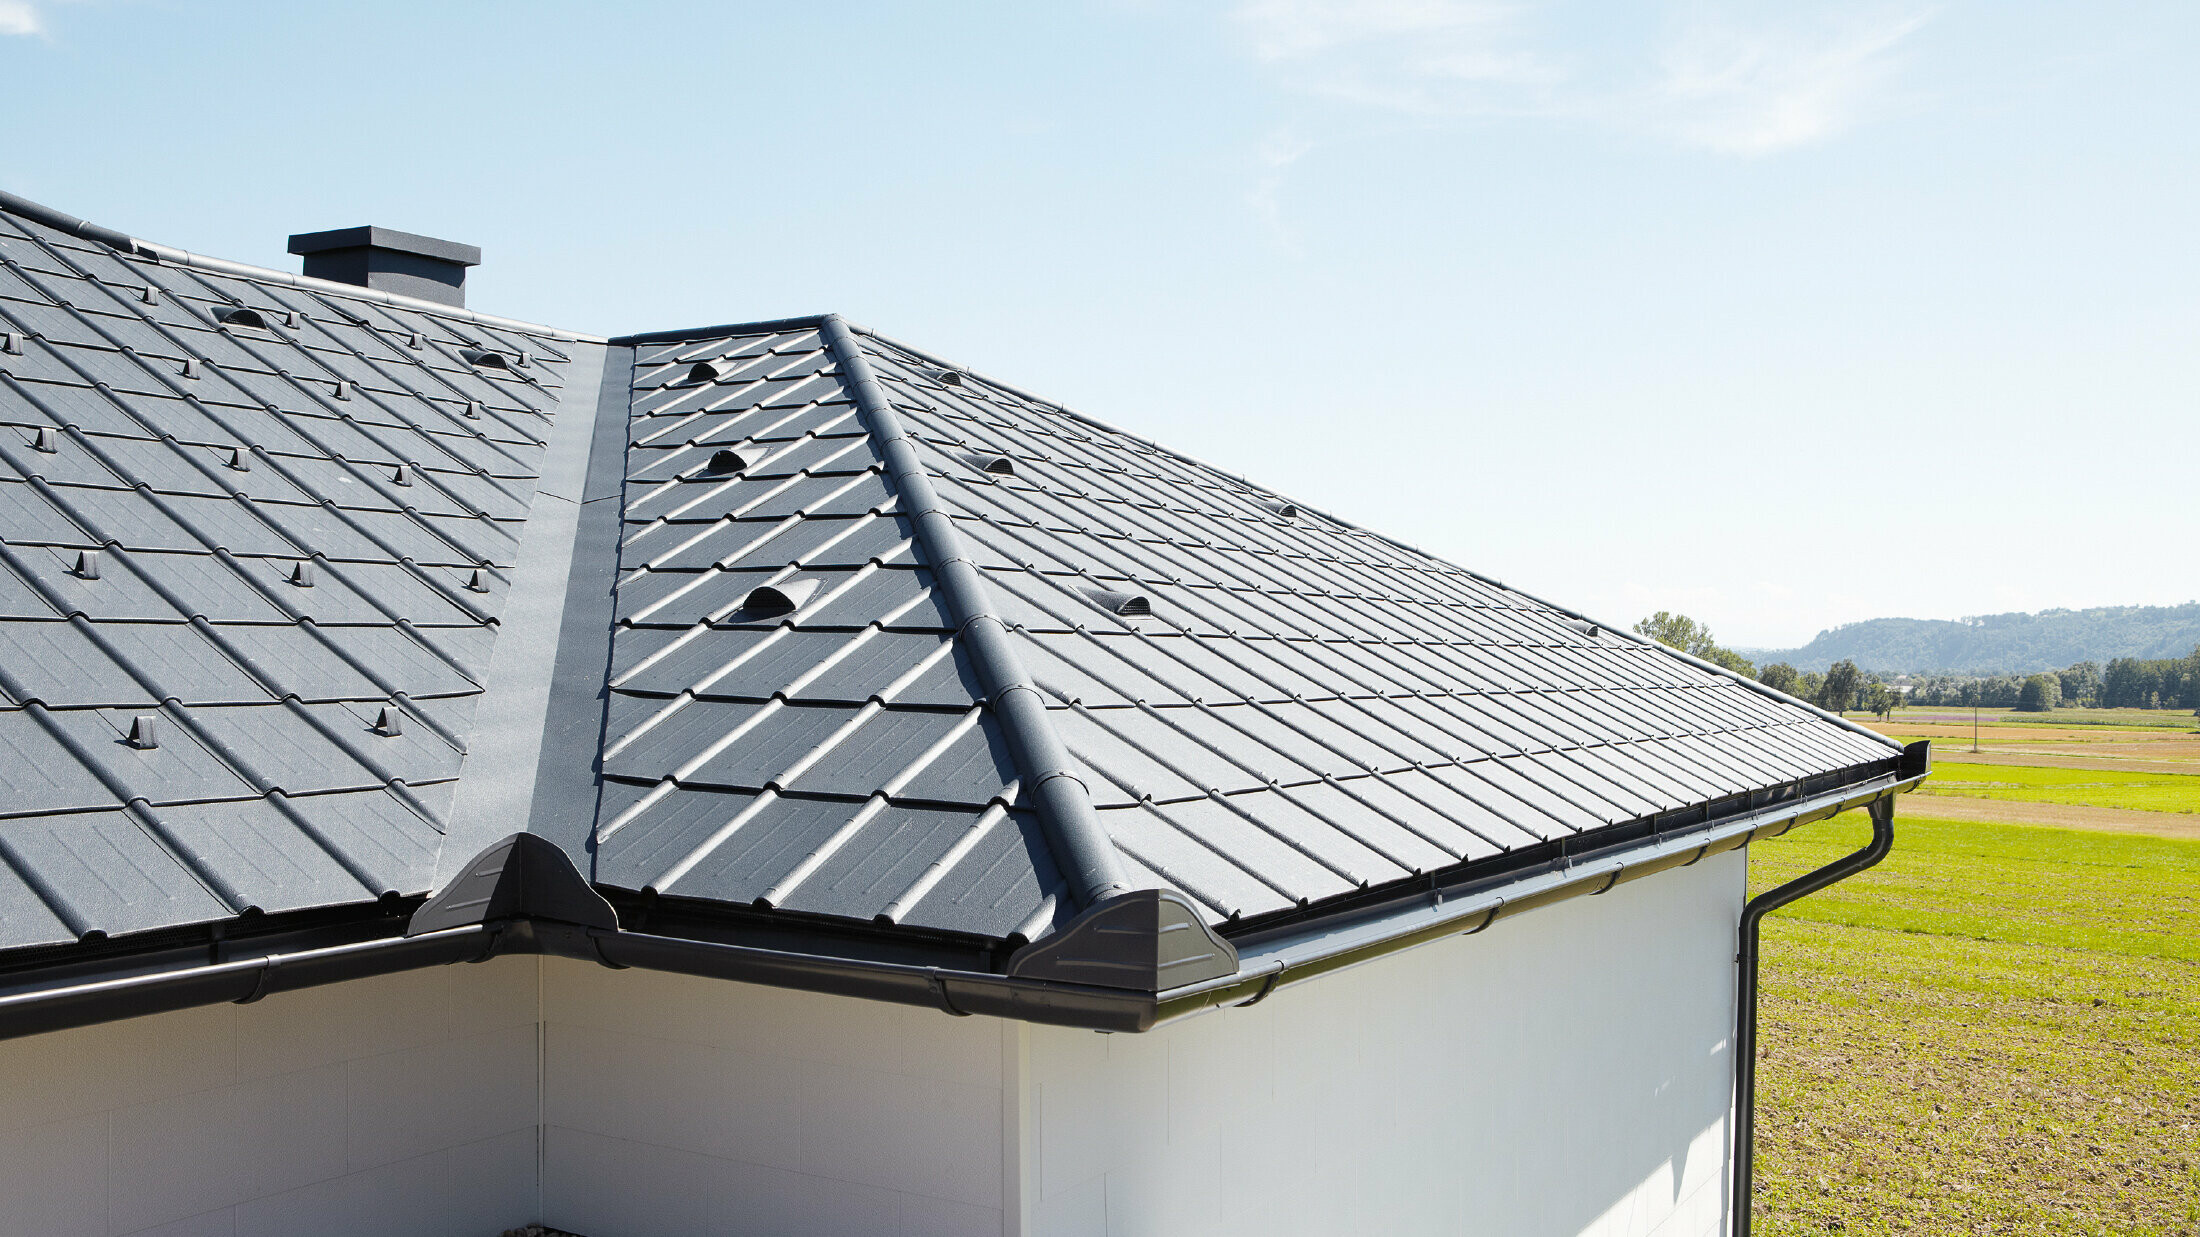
(1269,961)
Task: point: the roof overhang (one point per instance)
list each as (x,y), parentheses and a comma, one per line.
(529,906)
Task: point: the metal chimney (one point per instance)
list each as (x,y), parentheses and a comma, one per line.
(389,261)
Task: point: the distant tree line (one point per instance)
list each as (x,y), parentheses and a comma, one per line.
(1841,688)
(2126,682)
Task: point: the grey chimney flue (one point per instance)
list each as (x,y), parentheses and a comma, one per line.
(389,261)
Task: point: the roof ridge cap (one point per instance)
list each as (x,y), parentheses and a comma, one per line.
(1080,846)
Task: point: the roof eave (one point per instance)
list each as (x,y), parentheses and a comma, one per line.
(130,987)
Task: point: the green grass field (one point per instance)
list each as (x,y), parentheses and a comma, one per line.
(1997,1030)
(2138,719)
(2145,792)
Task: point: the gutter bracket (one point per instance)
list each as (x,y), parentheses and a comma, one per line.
(521,876)
(1149,940)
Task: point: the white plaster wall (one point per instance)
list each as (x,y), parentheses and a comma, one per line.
(1562,1073)
(1566,1072)
(685,1107)
(392,1106)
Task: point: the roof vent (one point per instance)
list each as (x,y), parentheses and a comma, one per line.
(87,564)
(1586,628)
(1288,511)
(1129,605)
(45,440)
(478,582)
(390,722)
(389,261)
(784,597)
(301,574)
(238,460)
(949,378)
(998,465)
(727,459)
(484,358)
(145,732)
(238,315)
(702,373)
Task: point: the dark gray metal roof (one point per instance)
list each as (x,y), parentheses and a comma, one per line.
(816,630)
(286,522)
(1303,711)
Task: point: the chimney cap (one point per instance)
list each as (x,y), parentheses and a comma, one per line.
(385,238)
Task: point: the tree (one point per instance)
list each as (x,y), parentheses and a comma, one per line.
(1840,687)
(1879,700)
(2040,693)
(1678,631)
(1779,676)
(2081,683)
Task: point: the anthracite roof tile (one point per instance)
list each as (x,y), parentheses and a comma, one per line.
(1308,711)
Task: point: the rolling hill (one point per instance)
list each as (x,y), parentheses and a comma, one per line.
(1999,643)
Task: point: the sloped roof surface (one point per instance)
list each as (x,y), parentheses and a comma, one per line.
(1306,709)
(260,534)
(866,638)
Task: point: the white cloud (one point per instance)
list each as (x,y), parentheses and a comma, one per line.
(1695,75)
(19,17)
(1750,92)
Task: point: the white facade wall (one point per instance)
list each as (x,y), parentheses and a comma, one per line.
(403,1104)
(679,1107)
(1563,1073)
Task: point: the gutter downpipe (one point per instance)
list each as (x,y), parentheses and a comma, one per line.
(1745,1020)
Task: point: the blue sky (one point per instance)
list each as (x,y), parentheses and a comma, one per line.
(1783,315)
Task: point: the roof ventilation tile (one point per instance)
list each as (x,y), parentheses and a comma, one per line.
(238,315)
(87,564)
(477,581)
(390,722)
(145,732)
(702,373)
(1129,605)
(45,440)
(949,378)
(237,460)
(301,574)
(730,460)
(784,597)
(998,465)
(1288,511)
(483,358)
